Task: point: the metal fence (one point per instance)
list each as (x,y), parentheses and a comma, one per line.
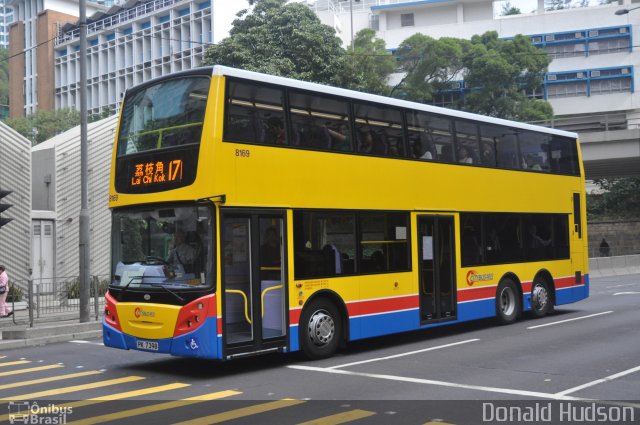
(55,296)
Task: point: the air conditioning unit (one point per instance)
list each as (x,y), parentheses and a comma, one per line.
(624,30)
(624,71)
(581,74)
(595,73)
(594,33)
(578,35)
(550,37)
(551,77)
(536,39)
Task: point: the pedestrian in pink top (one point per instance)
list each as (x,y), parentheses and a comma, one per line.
(5,311)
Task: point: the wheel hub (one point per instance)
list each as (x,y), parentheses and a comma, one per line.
(507,301)
(321,328)
(540,297)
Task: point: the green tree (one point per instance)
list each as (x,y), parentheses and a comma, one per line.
(4,77)
(282,39)
(616,198)
(430,65)
(501,74)
(43,125)
(368,64)
(508,9)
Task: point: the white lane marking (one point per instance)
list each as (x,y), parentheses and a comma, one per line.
(601,381)
(404,354)
(570,320)
(509,391)
(626,293)
(624,284)
(79,341)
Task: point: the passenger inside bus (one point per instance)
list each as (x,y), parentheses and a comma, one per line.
(275,132)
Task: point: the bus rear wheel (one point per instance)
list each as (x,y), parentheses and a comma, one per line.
(541,298)
(507,302)
(320,329)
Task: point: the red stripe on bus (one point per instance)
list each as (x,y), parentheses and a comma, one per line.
(479,293)
(360,308)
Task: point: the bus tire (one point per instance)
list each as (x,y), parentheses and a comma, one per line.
(508,304)
(541,298)
(320,329)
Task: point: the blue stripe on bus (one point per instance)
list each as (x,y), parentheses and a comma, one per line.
(202,342)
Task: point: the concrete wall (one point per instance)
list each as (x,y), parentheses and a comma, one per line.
(623,237)
(43,181)
(66,159)
(15,175)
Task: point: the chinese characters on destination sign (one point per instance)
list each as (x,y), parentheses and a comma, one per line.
(157,172)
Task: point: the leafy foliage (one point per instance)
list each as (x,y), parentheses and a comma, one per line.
(368,64)
(43,125)
(508,9)
(4,77)
(617,198)
(282,39)
(500,73)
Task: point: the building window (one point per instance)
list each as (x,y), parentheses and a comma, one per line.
(406,20)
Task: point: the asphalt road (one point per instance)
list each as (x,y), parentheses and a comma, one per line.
(535,371)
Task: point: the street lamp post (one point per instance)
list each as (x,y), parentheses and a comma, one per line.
(84,219)
(625,11)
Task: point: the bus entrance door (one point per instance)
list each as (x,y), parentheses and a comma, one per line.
(437,267)
(253,282)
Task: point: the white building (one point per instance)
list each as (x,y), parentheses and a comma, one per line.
(15,175)
(6,17)
(127,44)
(133,43)
(592,73)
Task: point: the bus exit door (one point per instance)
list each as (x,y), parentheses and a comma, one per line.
(253,282)
(437,267)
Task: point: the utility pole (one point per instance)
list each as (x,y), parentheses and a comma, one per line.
(85,218)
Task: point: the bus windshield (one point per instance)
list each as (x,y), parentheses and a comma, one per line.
(169,113)
(162,246)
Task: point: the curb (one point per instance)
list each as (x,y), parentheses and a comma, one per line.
(33,342)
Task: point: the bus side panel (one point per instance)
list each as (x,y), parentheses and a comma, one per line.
(574,293)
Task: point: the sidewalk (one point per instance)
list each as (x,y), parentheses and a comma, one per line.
(48,328)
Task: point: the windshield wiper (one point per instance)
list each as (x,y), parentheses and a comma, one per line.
(124,289)
(169,291)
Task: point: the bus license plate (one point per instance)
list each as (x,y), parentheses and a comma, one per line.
(147,345)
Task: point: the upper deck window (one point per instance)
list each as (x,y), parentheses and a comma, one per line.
(169,113)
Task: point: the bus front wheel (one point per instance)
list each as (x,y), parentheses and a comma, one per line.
(320,329)
(541,298)
(507,302)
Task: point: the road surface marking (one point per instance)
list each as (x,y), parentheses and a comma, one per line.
(570,320)
(169,405)
(242,412)
(48,379)
(601,381)
(340,418)
(404,354)
(438,383)
(65,390)
(110,397)
(627,293)
(81,341)
(17,362)
(29,370)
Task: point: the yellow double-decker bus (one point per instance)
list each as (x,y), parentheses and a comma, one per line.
(254,214)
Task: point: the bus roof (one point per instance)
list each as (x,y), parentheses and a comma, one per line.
(290,82)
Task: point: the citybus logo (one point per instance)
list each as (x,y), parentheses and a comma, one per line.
(473,277)
(141,313)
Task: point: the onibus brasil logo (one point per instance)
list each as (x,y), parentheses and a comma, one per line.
(31,413)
